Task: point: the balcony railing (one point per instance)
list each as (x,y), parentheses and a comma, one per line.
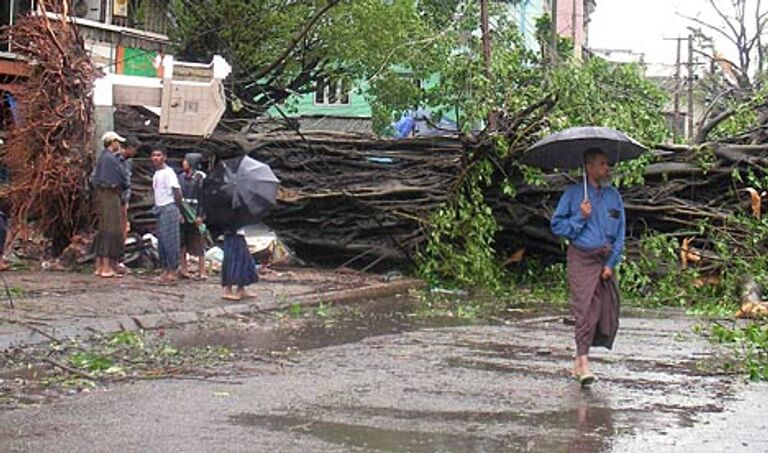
(147,33)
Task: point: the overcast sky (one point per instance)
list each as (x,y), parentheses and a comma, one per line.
(642,25)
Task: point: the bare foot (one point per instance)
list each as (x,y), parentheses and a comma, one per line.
(230,296)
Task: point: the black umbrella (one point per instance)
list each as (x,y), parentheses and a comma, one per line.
(238,192)
(565,149)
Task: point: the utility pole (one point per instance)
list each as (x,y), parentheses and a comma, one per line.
(554,33)
(678,131)
(678,88)
(690,88)
(573,21)
(576,45)
(487,55)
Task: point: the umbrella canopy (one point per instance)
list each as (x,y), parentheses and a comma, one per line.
(565,149)
(238,192)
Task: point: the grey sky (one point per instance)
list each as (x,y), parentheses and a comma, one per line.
(641,26)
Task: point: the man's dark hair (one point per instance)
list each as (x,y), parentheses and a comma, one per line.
(591,153)
(132,142)
(159,150)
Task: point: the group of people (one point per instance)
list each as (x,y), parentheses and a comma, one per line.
(180,218)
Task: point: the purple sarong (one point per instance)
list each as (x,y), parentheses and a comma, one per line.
(594,301)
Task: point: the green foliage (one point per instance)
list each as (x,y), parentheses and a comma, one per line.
(322,310)
(461,234)
(749,343)
(544,38)
(542,283)
(449,59)
(705,157)
(353,39)
(631,172)
(124,354)
(91,361)
(295,310)
(460,246)
(745,105)
(600,93)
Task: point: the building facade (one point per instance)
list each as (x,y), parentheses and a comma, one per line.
(122,36)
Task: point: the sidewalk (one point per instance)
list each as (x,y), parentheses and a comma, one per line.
(64,305)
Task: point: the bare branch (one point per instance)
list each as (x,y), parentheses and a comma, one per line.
(741,77)
(296,39)
(711,27)
(724,17)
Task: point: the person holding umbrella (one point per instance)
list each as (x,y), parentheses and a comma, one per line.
(238,269)
(237,193)
(595,227)
(590,216)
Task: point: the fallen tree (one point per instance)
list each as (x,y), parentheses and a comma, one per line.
(49,152)
(361,201)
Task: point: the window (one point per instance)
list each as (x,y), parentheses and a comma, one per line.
(332,92)
(9,11)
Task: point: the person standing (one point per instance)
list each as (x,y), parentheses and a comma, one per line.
(238,268)
(109,181)
(167,194)
(192,241)
(592,219)
(4,265)
(128,151)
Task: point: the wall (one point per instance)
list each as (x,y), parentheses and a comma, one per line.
(570,22)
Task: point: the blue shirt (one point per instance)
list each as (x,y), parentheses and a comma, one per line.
(109,172)
(606,225)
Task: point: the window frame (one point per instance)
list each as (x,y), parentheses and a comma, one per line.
(336,92)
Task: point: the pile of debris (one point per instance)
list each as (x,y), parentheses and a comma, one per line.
(49,153)
(356,200)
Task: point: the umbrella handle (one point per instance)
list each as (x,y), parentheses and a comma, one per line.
(586,194)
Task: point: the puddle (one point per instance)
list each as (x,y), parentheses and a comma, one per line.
(374,318)
(372,438)
(583,429)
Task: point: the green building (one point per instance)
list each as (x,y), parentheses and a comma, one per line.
(343,106)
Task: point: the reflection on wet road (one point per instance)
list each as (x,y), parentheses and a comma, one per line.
(399,384)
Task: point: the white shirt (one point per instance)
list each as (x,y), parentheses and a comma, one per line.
(163,183)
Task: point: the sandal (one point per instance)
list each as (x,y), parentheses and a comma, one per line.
(586,380)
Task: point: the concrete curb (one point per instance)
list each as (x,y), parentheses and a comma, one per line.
(32,336)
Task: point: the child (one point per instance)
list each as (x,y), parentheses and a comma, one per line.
(238,268)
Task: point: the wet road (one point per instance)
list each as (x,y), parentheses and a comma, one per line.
(445,389)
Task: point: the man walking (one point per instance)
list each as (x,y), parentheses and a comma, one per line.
(109,181)
(167,193)
(592,219)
